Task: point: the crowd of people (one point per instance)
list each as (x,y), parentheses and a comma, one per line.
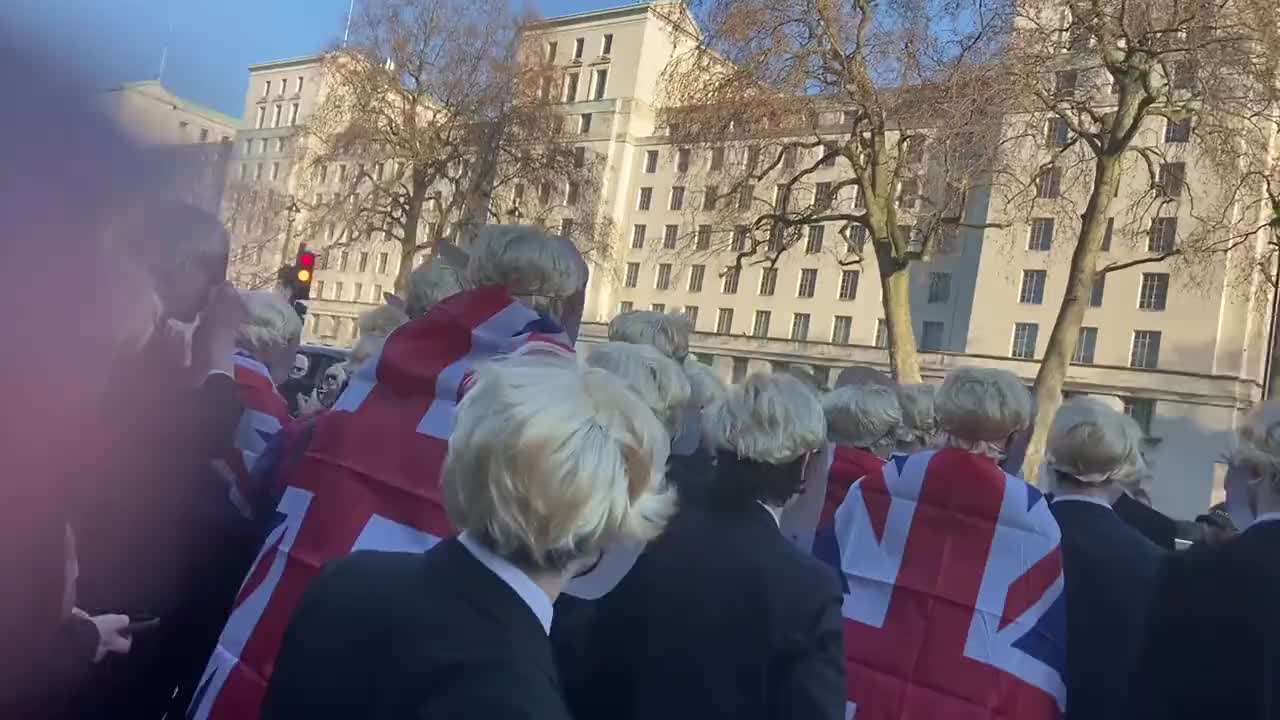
(481,523)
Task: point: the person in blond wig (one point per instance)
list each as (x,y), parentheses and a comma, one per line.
(864,422)
(374,325)
(980,409)
(1213,647)
(548,463)
(1111,570)
(722,616)
(919,418)
(669,334)
(653,377)
(429,283)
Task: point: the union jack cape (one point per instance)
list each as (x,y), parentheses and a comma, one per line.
(953,592)
(265,413)
(369,477)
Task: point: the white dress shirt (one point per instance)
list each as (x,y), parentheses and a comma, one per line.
(524,586)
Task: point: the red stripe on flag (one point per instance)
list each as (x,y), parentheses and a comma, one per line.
(1031,586)
(875,495)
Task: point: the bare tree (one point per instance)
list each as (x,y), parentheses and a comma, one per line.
(258,221)
(430,109)
(873,118)
(1112,89)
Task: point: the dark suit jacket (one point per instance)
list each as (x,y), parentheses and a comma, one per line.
(1213,650)
(435,636)
(721,617)
(1155,525)
(1111,573)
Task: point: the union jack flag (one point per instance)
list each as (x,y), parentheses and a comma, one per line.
(265,412)
(953,592)
(368,479)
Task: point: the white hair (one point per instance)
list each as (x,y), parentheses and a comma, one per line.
(668,333)
(549,462)
(542,270)
(270,325)
(1259,438)
(381,320)
(1088,442)
(919,417)
(429,283)
(706,385)
(863,416)
(979,408)
(656,379)
(770,418)
(1134,475)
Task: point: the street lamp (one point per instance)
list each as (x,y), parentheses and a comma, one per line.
(291,210)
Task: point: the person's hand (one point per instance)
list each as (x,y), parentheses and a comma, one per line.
(113,634)
(309,405)
(214,341)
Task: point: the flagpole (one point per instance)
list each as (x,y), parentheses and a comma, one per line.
(345,33)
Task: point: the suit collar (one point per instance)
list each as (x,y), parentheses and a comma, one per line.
(1082,498)
(515,578)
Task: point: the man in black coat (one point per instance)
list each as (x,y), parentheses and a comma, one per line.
(723,616)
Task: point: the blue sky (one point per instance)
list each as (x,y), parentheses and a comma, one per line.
(211,42)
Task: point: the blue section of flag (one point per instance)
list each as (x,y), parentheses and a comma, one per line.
(827,549)
(1046,641)
(1033,496)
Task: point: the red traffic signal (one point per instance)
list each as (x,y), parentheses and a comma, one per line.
(307,260)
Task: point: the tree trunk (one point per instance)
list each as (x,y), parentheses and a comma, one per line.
(1066,328)
(409,239)
(895,281)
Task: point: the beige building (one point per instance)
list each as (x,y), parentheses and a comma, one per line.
(1175,346)
(152,115)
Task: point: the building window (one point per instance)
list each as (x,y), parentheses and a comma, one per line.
(669,235)
(663,281)
(768,280)
(703,241)
(939,287)
(1032,291)
(800,327)
(760,328)
(204,134)
(377,293)
(730,284)
(848,284)
(275,171)
(682,160)
(579,157)
(1170,179)
(343,257)
(280,145)
(829,154)
(658,307)
(908,194)
(1086,344)
(882,333)
(739,370)
(382,263)
(357,292)
(646,199)
(1024,340)
(284,86)
(858,235)
(1146,349)
(276,115)
(787,157)
(650,161)
(298,91)
(740,234)
(1177,131)
(677,198)
(363,262)
(841,329)
(1163,236)
(606,44)
(808,283)
(1106,237)
(293,114)
(637,237)
(551,50)
(724,321)
(633,275)
(1153,293)
(319,288)
(696,273)
(822,196)
(266,89)
(248,146)
(571,87)
(625,306)
(1064,82)
(717,158)
(745,196)
(1056,133)
(566,227)
(781,198)
(601,80)
(584,123)
(578,44)
(244,170)
(257,172)
(1049,183)
(337,291)
(1041,237)
(262,116)
(777,234)
(709,197)
(813,244)
(931,335)
(751,159)
(1099,289)
(1142,410)
(571,194)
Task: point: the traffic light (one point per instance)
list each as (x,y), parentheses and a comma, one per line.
(300,275)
